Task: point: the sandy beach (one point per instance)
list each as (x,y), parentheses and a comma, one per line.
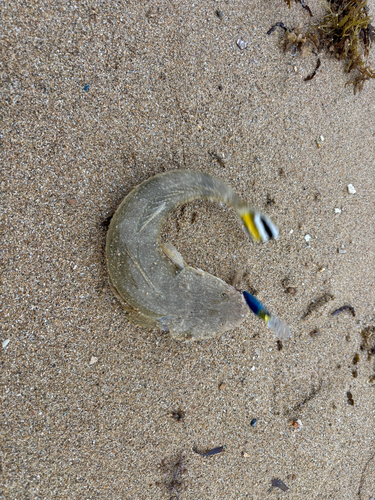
(96,98)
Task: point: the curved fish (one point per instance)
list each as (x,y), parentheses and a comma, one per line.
(152,281)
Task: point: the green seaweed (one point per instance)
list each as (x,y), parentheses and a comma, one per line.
(345,32)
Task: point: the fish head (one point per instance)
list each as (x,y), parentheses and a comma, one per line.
(210,308)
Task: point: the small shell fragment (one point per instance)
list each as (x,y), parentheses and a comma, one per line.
(5,343)
(338,210)
(307,238)
(241,44)
(93,360)
(351,189)
(296,424)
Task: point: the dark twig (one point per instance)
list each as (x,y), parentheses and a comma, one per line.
(214,451)
(281,25)
(344,308)
(311,76)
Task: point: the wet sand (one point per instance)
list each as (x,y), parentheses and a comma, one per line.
(99,98)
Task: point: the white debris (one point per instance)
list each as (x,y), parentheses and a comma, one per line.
(321,138)
(241,44)
(338,210)
(307,237)
(351,189)
(93,360)
(5,343)
(341,249)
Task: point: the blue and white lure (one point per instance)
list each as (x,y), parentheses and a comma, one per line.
(278,326)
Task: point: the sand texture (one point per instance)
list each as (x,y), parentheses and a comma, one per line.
(99,96)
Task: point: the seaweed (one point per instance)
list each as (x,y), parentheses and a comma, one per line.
(277,483)
(345,32)
(368,341)
(302,2)
(174,471)
(178,415)
(218,158)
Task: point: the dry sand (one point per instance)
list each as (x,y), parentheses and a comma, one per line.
(100,96)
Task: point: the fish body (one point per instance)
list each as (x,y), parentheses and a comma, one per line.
(152,281)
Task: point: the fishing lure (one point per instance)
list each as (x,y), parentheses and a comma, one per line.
(151,279)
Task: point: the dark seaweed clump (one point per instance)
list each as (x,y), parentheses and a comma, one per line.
(345,32)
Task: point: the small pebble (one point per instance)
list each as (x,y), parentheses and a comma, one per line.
(93,360)
(341,249)
(351,189)
(219,13)
(338,210)
(5,343)
(72,201)
(307,237)
(241,44)
(246,455)
(253,423)
(222,386)
(291,289)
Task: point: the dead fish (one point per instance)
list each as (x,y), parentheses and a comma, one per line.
(151,279)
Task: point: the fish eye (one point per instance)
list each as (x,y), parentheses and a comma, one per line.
(224,295)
